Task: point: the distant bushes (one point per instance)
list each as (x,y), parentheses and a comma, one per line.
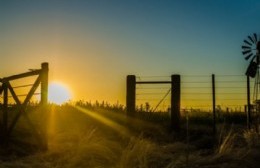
(100,105)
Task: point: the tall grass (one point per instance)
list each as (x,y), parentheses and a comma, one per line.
(76,140)
(143,153)
(85,150)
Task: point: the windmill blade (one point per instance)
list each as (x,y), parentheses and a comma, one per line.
(251,69)
(246,52)
(247,42)
(250,38)
(255,37)
(246,47)
(248,56)
(253,59)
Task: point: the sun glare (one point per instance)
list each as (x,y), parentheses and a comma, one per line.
(58,93)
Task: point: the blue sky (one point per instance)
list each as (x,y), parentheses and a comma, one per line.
(103,41)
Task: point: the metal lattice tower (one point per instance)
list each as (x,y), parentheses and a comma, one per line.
(251,51)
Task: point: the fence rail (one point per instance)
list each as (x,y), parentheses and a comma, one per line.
(173,91)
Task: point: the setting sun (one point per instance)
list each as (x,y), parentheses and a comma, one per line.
(58,93)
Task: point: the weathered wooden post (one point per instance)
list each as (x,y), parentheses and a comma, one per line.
(175,102)
(44,102)
(213,104)
(130,95)
(44,83)
(248,103)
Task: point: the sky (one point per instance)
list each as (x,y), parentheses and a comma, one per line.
(92,45)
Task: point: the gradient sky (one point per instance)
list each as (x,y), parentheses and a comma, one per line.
(91,45)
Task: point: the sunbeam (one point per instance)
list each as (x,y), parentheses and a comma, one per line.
(115,126)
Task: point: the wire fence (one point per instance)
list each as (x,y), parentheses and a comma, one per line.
(154,97)
(230,92)
(196,93)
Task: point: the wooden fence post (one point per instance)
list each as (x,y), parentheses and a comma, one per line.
(175,102)
(248,103)
(44,84)
(130,95)
(44,102)
(214,104)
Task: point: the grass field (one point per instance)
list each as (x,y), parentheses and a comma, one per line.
(84,136)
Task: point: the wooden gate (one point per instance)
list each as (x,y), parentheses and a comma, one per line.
(6,88)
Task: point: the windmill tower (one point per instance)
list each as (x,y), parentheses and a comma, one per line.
(251,51)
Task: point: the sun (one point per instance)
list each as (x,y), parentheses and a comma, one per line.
(58,93)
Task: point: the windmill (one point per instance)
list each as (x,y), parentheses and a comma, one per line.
(251,51)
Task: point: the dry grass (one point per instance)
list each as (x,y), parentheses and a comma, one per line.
(76,140)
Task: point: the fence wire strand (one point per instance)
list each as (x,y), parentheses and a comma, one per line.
(196,91)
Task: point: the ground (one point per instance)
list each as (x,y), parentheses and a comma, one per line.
(102,137)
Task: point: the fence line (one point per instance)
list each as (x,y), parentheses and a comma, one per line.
(196,91)
(155,96)
(229,92)
(133,99)
(209,93)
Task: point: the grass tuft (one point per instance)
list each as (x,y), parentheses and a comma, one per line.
(252,138)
